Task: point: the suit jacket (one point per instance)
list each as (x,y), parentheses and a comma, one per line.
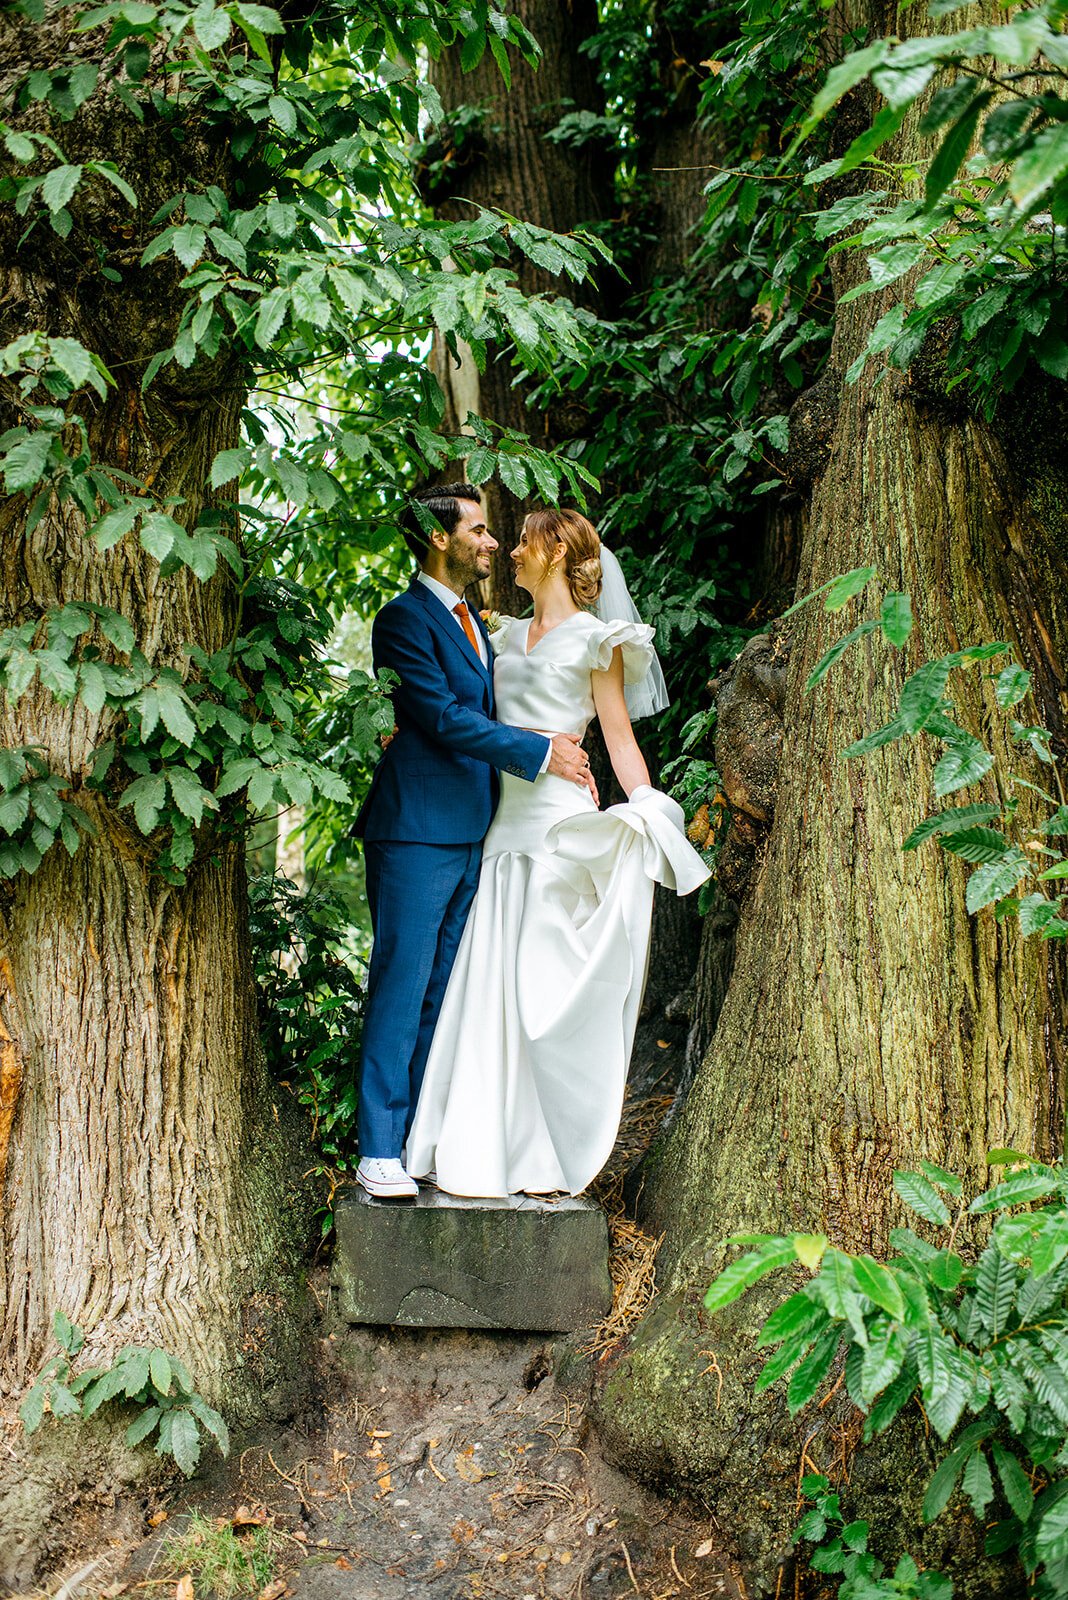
(436,782)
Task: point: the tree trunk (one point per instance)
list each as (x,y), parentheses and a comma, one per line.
(143,1160)
(870,1021)
(512,166)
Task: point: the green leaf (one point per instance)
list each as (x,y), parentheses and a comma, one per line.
(143,1425)
(229,464)
(809,1376)
(1042,164)
(882,1361)
(896,619)
(1012,685)
(513,474)
(158,533)
(950,821)
(944,1179)
(283,112)
(838,649)
(59,186)
(1014,1481)
(160,1371)
(799,1314)
(920,1196)
(843,77)
(964,763)
(809,1248)
(1019,1189)
(184,1442)
(68,1337)
(977,1484)
(211,1420)
(63,1403)
(880,1285)
(887,734)
(148,796)
(115,525)
(945,1270)
(211,25)
(174,711)
(190,796)
(24,464)
(188,243)
(976,844)
(995,879)
(136,1373)
(889,1403)
(922,693)
(734,1280)
(845,588)
(31,1411)
(944,1482)
(953,151)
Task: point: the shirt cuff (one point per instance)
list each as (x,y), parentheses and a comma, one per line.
(548,757)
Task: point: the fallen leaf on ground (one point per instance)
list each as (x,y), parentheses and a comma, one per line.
(385,1484)
(468,1467)
(250,1517)
(183,1589)
(275,1590)
(705,1548)
(380,1433)
(344,1563)
(156,1518)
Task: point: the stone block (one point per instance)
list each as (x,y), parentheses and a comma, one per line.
(447,1262)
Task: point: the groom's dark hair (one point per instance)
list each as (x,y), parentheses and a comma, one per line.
(443,501)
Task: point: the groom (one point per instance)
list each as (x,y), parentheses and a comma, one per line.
(427,812)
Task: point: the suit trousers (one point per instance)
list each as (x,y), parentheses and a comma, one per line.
(419,896)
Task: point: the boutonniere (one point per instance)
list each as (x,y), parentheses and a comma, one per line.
(492,619)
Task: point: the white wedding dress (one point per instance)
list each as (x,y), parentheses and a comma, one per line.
(524,1084)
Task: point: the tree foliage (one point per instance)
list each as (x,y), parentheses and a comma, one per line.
(304,261)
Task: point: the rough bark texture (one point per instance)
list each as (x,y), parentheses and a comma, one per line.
(870,1020)
(142,1157)
(515,168)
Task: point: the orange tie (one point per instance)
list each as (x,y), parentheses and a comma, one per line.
(468,626)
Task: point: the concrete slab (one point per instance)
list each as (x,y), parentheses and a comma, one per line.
(447,1262)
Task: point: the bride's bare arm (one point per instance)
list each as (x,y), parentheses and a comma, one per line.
(628,764)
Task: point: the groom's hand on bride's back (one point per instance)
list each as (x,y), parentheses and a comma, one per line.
(569,760)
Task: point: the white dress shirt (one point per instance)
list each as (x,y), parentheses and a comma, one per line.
(450,600)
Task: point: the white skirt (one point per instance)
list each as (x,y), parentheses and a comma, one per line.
(524,1084)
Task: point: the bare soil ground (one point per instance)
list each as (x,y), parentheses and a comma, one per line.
(450,1466)
(443,1464)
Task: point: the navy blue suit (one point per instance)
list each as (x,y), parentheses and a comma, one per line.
(423,822)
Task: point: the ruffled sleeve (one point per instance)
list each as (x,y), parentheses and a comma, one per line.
(635,639)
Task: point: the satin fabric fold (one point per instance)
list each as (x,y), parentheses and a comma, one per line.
(524,1084)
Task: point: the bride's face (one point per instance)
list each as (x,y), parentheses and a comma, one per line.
(529,563)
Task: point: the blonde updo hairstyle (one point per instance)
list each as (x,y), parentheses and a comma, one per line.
(582,550)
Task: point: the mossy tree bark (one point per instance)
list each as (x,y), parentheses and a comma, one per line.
(143,1164)
(870,1021)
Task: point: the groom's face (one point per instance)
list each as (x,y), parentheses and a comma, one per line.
(467,555)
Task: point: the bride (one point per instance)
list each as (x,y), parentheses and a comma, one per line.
(524,1084)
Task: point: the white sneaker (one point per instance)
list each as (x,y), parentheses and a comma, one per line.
(386,1179)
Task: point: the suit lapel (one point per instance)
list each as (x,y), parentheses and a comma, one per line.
(449,629)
